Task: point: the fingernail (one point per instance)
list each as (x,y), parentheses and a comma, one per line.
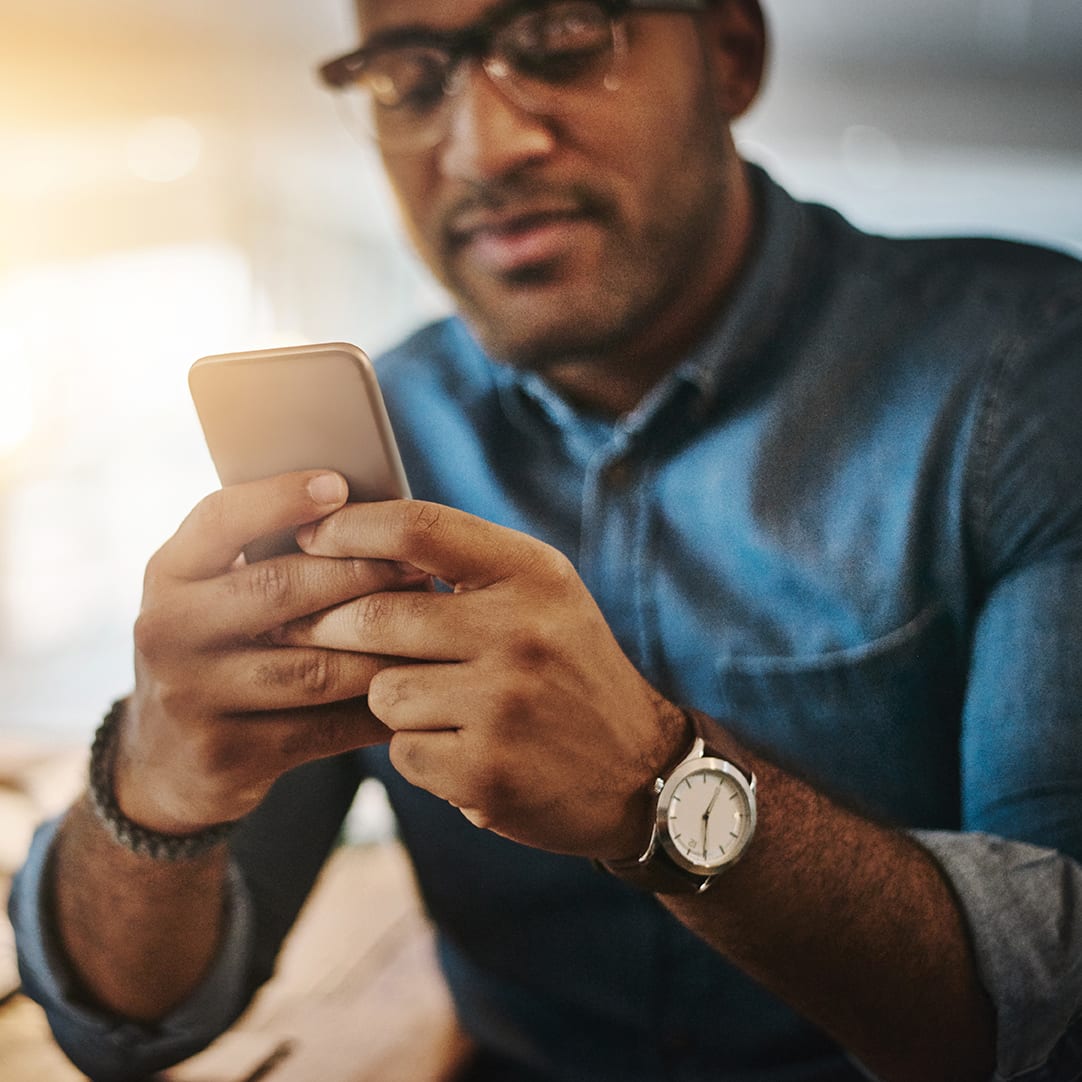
(304,536)
(327,489)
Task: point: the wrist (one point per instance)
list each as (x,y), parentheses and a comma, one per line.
(703,818)
(676,732)
(145,837)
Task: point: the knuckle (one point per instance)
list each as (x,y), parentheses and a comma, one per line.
(147,634)
(406,755)
(318,673)
(163,633)
(515,702)
(528,651)
(511,703)
(385,691)
(427,517)
(559,567)
(210,514)
(371,613)
(425,526)
(267,581)
(153,573)
(492,791)
(313,671)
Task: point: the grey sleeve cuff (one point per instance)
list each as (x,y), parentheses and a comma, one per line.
(108,1048)
(1023,905)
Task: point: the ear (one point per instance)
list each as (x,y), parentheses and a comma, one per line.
(735,36)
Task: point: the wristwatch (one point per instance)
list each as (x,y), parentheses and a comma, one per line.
(703,822)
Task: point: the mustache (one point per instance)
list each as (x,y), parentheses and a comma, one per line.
(507,199)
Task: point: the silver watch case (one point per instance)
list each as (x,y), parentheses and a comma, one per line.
(695,762)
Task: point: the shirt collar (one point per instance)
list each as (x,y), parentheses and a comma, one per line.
(749,314)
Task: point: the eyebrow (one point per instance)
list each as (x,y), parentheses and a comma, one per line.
(408,34)
(423,34)
(416,33)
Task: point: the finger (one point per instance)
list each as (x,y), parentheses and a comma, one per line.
(212,536)
(286,679)
(316,732)
(274,679)
(433,760)
(251,600)
(419,698)
(423,626)
(457,547)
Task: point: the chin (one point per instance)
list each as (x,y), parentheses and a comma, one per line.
(536,332)
(535,349)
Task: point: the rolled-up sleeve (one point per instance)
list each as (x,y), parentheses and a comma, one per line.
(276,854)
(1023,905)
(104,1047)
(1017,866)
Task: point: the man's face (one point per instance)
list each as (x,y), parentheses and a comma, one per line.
(571,236)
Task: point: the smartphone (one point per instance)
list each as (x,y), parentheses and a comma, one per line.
(305,407)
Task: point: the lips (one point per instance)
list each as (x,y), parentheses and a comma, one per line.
(513,239)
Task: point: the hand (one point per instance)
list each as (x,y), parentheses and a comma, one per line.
(219,710)
(521,708)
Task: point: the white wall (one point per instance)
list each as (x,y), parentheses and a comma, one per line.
(172,183)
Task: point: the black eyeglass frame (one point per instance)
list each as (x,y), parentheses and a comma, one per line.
(473,41)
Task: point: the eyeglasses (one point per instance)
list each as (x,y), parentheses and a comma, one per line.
(549,57)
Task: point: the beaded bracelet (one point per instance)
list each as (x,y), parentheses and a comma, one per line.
(130,835)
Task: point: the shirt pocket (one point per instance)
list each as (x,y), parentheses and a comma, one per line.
(877,725)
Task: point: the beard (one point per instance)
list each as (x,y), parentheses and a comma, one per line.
(580,306)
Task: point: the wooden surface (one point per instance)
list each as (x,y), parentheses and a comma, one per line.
(357,996)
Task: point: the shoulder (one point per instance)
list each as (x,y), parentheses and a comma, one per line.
(981,318)
(1013,284)
(967,344)
(1026,454)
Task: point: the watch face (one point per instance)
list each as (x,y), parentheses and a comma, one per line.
(706,814)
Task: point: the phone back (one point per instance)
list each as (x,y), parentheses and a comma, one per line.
(309,407)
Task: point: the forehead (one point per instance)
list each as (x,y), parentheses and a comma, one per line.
(376,15)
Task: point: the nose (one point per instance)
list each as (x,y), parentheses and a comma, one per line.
(488,135)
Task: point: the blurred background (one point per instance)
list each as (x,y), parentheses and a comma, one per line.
(174,183)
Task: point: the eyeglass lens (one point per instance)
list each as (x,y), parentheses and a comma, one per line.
(549,59)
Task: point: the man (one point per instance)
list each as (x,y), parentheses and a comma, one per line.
(699,461)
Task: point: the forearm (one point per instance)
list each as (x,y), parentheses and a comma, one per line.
(855,926)
(138,934)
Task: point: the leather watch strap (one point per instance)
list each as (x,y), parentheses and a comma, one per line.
(654,870)
(657,874)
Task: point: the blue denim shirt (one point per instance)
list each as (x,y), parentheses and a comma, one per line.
(849,525)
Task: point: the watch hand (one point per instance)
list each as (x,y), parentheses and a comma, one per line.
(706,815)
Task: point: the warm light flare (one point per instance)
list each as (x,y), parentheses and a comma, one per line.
(16,395)
(164,149)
